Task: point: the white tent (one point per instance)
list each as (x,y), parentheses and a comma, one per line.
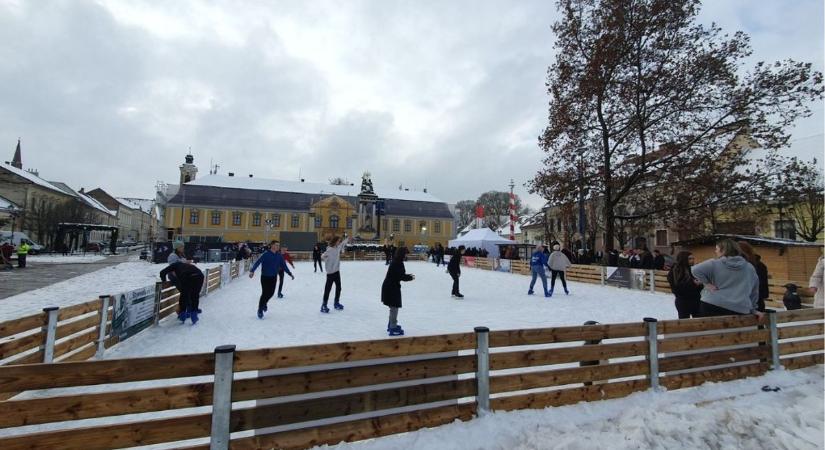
(481,238)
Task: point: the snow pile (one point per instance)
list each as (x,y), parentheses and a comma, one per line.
(60,259)
(735,414)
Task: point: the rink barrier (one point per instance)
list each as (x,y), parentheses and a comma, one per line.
(302,396)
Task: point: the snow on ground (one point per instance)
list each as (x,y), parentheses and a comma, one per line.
(493,299)
(110,280)
(60,259)
(731,415)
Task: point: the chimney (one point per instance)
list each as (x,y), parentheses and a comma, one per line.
(231,174)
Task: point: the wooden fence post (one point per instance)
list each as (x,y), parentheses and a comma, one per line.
(51,333)
(775,363)
(104,314)
(482,369)
(653,281)
(602,274)
(222,397)
(653,351)
(158,294)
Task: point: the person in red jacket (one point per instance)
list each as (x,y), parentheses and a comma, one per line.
(288,260)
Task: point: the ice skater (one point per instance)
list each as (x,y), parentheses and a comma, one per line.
(391,289)
(288,260)
(271,261)
(454,269)
(332,258)
(189,282)
(316,258)
(559,262)
(538,261)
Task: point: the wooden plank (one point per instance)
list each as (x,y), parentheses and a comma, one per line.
(561,397)
(307,355)
(695,342)
(560,377)
(84,353)
(69,328)
(797,331)
(325,380)
(798,362)
(85,373)
(21,325)
(33,358)
(348,404)
(20,345)
(705,359)
(706,324)
(799,315)
(356,430)
(78,310)
(114,436)
(508,338)
(808,345)
(67,345)
(542,357)
(686,380)
(105,404)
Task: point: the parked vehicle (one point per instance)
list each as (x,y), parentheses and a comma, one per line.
(19,237)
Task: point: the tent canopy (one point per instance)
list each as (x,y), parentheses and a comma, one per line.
(481,238)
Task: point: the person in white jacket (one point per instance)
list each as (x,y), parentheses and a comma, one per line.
(816,284)
(559,262)
(332,258)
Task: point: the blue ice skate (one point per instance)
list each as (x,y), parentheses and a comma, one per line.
(390,328)
(260,314)
(339,307)
(549,293)
(194,317)
(183,316)
(530,292)
(397,331)
(324,309)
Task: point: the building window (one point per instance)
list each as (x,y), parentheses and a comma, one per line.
(784,229)
(236,218)
(408,226)
(661,238)
(386,225)
(194,218)
(333,221)
(422,227)
(276,220)
(396,225)
(318,221)
(256,220)
(296,221)
(349,223)
(216,217)
(558,225)
(437,227)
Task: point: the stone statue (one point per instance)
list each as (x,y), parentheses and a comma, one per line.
(366,184)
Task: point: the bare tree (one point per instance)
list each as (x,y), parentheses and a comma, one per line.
(800,196)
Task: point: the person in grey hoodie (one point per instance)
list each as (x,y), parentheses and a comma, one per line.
(332,257)
(731,283)
(558,263)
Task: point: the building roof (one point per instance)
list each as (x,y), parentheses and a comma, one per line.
(756,240)
(222,196)
(142,204)
(91,201)
(8,205)
(268,184)
(31,177)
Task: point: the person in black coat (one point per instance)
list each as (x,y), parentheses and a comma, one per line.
(646,259)
(658,260)
(688,290)
(454,269)
(391,289)
(189,282)
(316,258)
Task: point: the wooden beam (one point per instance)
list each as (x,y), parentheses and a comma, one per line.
(799,315)
(716,375)
(78,310)
(560,355)
(20,345)
(798,362)
(695,342)
(508,338)
(562,397)
(560,377)
(706,324)
(67,345)
(69,328)
(21,325)
(808,345)
(705,359)
(797,331)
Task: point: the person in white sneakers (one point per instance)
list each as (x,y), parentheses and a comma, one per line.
(332,258)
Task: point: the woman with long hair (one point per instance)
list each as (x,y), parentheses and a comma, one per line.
(731,283)
(688,290)
(391,289)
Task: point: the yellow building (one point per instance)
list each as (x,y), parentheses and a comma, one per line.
(226,208)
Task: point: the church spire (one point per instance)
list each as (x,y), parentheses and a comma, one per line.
(17,161)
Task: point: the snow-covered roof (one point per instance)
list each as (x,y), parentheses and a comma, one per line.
(32,178)
(89,200)
(142,204)
(268,184)
(505,229)
(6,204)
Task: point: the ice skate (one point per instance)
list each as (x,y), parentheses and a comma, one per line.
(397,331)
(339,306)
(260,314)
(194,317)
(324,310)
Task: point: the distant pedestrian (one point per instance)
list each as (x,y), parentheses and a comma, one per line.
(658,260)
(559,262)
(22,252)
(731,283)
(332,257)
(190,282)
(439,254)
(538,261)
(271,261)
(454,269)
(316,258)
(391,290)
(686,288)
(288,260)
(815,284)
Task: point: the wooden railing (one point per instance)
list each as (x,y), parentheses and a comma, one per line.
(328,393)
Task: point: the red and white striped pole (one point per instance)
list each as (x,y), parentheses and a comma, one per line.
(512,212)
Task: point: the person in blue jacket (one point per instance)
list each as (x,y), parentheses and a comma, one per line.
(537,263)
(271,261)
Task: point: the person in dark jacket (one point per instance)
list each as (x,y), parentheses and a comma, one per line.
(189,282)
(391,290)
(454,269)
(316,258)
(688,290)
(646,259)
(538,261)
(761,272)
(271,261)
(389,249)
(658,260)
(280,277)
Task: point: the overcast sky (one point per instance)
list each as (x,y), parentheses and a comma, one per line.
(447,94)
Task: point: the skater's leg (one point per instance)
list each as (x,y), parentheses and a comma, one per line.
(455,283)
(543,280)
(267,290)
(533,280)
(195,293)
(337,279)
(280,277)
(553,275)
(563,281)
(327,287)
(393,317)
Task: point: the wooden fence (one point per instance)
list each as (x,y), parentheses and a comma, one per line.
(298,397)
